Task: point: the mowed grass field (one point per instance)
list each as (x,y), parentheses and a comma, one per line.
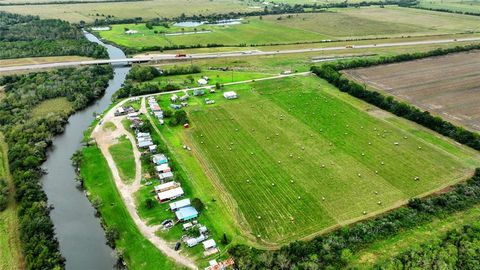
(448,86)
(299,157)
(122,154)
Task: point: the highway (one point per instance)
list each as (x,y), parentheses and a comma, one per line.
(173,57)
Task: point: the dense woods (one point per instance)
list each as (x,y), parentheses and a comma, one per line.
(332,251)
(330,73)
(459,249)
(28,139)
(29,36)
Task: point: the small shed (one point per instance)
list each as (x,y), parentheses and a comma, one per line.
(199,92)
(209,244)
(143,134)
(202,82)
(194,241)
(163,168)
(175,106)
(173,98)
(152,148)
(145,144)
(166,176)
(179,204)
(187,226)
(186,213)
(230,95)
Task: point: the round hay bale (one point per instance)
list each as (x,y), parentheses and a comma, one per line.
(218,146)
(298,197)
(323,198)
(363,154)
(291,181)
(276,134)
(201,135)
(279,162)
(359,175)
(383,163)
(303,147)
(248,180)
(375,192)
(416,178)
(405,137)
(369,143)
(258,235)
(396,143)
(251,153)
(379,203)
(291,155)
(376,172)
(268,138)
(364,212)
(330,144)
(231,143)
(323,165)
(201,142)
(419,148)
(259,217)
(273,184)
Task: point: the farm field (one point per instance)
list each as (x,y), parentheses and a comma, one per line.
(453,5)
(448,86)
(277,29)
(295,180)
(88,12)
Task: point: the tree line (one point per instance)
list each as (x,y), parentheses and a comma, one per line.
(330,72)
(334,250)
(30,36)
(28,139)
(458,249)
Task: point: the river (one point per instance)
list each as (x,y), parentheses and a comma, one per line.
(82,239)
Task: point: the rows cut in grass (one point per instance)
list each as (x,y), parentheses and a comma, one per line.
(299,157)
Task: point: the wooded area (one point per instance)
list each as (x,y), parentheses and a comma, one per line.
(28,140)
(29,36)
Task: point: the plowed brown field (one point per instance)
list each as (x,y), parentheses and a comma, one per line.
(448,86)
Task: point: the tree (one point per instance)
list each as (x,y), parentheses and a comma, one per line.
(225,240)
(179,118)
(149,203)
(198,204)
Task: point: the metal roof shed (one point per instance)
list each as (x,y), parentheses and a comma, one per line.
(179,204)
(170,194)
(208,244)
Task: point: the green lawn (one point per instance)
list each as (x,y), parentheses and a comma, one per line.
(122,154)
(294,156)
(138,252)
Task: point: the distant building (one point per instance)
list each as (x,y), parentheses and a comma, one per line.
(230,95)
(199,92)
(173,98)
(162,168)
(202,82)
(166,176)
(131,32)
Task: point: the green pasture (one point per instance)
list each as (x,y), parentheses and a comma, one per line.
(122,154)
(297,157)
(453,5)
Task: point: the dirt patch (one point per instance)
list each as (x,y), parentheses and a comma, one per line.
(448,86)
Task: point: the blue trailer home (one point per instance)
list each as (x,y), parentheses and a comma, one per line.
(186,213)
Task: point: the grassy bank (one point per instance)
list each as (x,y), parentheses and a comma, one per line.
(122,154)
(10,252)
(137,251)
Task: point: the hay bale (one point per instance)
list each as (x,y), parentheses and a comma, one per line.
(405,137)
(383,163)
(273,184)
(376,172)
(369,143)
(298,197)
(396,143)
(201,142)
(379,203)
(248,180)
(419,148)
(375,192)
(323,198)
(279,162)
(359,175)
(303,147)
(363,154)
(416,178)
(291,155)
(251,153)
(291,181)
(364,212)
(323,165)
(259,217)
(218,146)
